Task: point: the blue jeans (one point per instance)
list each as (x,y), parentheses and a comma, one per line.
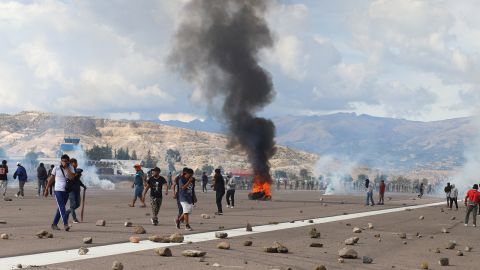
(61,197)
(370,198)
(75,200)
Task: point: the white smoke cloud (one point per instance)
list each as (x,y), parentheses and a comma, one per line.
(334,172)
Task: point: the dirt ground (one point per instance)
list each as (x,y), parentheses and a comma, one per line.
(27,216)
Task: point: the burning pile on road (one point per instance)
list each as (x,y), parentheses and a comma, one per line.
(261,188)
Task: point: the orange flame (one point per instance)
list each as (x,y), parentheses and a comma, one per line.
(261,185)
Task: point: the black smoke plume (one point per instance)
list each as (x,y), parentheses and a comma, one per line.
(217,47)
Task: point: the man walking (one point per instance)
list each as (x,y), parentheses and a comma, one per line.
(471,202)
(219,187)
(422,188)
(42,176)
(381,193)
(369,187)
(74,194)
(3,177)
(50,190)
(186,187)
(61,174)
(204,181)
(176,196)
(21,173)
(230,190)
(453,197)
(138,186)
(447,191)
(155,184)
(170,181)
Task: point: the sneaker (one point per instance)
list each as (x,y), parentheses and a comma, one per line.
(67,228)
(474,225)
(16,195)
(219,213)
(75,221)
(177,223)
(153,221)
(228,206)
(465,225)
(231,207)
(55,227)
(188,228)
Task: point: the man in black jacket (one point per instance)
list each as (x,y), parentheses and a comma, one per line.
(219,187)
(3,177)
(42,176)
(74,195)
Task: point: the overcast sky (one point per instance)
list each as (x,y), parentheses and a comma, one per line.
(397,58)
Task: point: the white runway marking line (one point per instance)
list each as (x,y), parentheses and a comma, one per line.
(116,249)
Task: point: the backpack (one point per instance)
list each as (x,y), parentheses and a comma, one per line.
(447,189)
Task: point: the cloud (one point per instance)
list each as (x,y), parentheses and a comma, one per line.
(183,117)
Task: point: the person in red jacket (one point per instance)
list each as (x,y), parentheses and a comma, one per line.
(381,193)
(471,202)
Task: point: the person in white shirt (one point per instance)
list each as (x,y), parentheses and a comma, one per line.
(230,191)
(453,197)
(369,187)
(61,174)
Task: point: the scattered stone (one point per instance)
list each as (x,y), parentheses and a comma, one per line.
(367,260)
(370,226)
(134,239)
(87,240)
(159,239)
(351,241)
(82,251)
(49,235)
(342,202)
(421,218)
(128,224)
(270,250)
(324,204)
(453,218)
(405,242)
(280,248)
(424,265)
(313,233)
(402,235)
(444,230)
(437,250)
(451,245)
(164,252)
(249,227)
(443,261)
(357,230)
(205,216)
(20,266)
(44,234)
(7,199)
(468,249)
(4,236)
(347,253)
(301,211)
(176,238)
(459,253)
(321,199)
(223,227)
(147,214)
(193,253)
(317,245)
(389,198)
(340,260)
(248,243)
(221,235)
(272,222)
(3,222)
(100,222)
(321,267)
(348,224)
(223,245)
(117,265)
(310,221)
(216,265)
(377,235)
(139,230)
(441,210)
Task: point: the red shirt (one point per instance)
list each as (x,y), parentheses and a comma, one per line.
(473,196)
(382,188)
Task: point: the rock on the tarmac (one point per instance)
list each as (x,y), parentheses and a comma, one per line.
(205,216)
(248,243)
(340,260)
(443,262)
(20,266)
(164,252)
(357,230)
(367,260)
(347,253)
(223,245)
(117,265)
(134,239)
(459,253)
(128,224)
(176,238)
(193,253)
(4,236)
(139,230)
(221,235)
(276,248)
(82,251)
(321,267)
(249,227)
(100,222)
(370,226)
(451,245)
(421,217)
(270,250)
(87,240)
(314,233)
(159,239)
(317,245)
(424,265)
(445,230)
(216,265)
(3,222)
(468,249)
(402,235)
(352,241)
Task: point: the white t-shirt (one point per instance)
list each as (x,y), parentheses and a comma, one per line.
(60,180)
